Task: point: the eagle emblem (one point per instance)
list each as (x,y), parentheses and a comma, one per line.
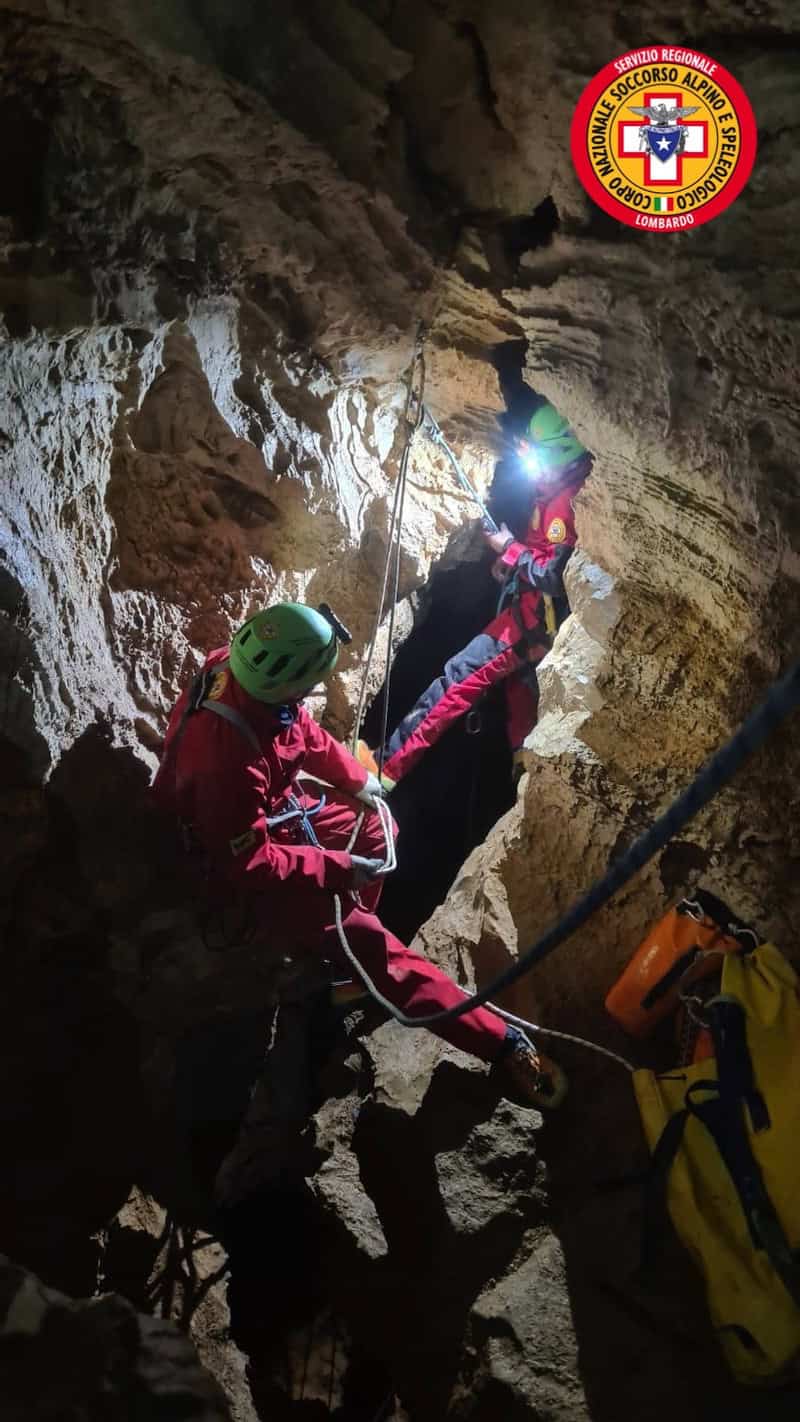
(662,136)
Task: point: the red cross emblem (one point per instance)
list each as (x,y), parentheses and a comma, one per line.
(631,143)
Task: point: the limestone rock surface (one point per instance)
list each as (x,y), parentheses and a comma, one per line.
(220,228)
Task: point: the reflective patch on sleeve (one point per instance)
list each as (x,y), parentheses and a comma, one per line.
(557,532)
(241,842)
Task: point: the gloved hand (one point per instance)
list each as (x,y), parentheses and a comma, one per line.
(363,870)
(372,791)
(499,541)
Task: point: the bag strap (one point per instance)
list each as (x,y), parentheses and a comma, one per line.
(655,1189)
(726,1127)
(722,1115)
(737,1083)
(234,718)
(670,978)
(198,700)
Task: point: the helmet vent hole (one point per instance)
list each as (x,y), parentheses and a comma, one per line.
(259,657)
(279,666)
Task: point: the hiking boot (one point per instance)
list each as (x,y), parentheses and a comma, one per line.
(533,1077)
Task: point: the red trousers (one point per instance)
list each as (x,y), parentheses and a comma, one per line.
(410,981)
(493,656)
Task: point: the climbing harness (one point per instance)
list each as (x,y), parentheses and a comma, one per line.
(782,699)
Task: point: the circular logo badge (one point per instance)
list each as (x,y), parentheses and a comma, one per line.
(663,139)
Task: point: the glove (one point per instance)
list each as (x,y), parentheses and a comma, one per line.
(363,870)
(371,791)
(499,541)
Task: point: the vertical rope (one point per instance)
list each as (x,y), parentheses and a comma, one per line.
(394,536)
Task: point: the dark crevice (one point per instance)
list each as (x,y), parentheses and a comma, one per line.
(459,789)
(527,234)
(450,801)
(506,240)
(508,360)
(469,31)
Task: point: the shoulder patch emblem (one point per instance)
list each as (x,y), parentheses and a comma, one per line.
(218,685)
(557,531)
(241,842)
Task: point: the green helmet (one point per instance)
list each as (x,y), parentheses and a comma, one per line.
(279,654)
(555,446)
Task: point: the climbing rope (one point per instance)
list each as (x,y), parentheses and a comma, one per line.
(509,1017)
(436,437)
(415,389)
(538,1030)
(782,699)
(413,422)
(415,415)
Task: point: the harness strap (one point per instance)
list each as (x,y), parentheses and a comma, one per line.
(547,625)
(230,714)
(531,637)
(298,811)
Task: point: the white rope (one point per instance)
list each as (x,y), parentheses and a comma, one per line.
(394,532)
(562,1036)
(381,808)
(375,992)
(373,641)
(385,817)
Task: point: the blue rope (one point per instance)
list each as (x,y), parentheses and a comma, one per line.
(782,699)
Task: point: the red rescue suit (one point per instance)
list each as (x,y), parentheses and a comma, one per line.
(514,641)
(215,781)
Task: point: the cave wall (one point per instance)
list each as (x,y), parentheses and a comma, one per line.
(206,325)
(220,228)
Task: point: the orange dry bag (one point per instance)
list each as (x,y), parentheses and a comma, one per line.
(683,947)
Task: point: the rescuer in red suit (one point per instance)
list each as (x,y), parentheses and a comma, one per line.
(236,742)
(518,637)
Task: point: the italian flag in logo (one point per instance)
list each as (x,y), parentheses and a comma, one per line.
(662,204)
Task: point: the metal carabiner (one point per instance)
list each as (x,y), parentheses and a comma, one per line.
(473,724)
(688,905)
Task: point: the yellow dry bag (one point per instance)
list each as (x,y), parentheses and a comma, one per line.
(725,1141)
